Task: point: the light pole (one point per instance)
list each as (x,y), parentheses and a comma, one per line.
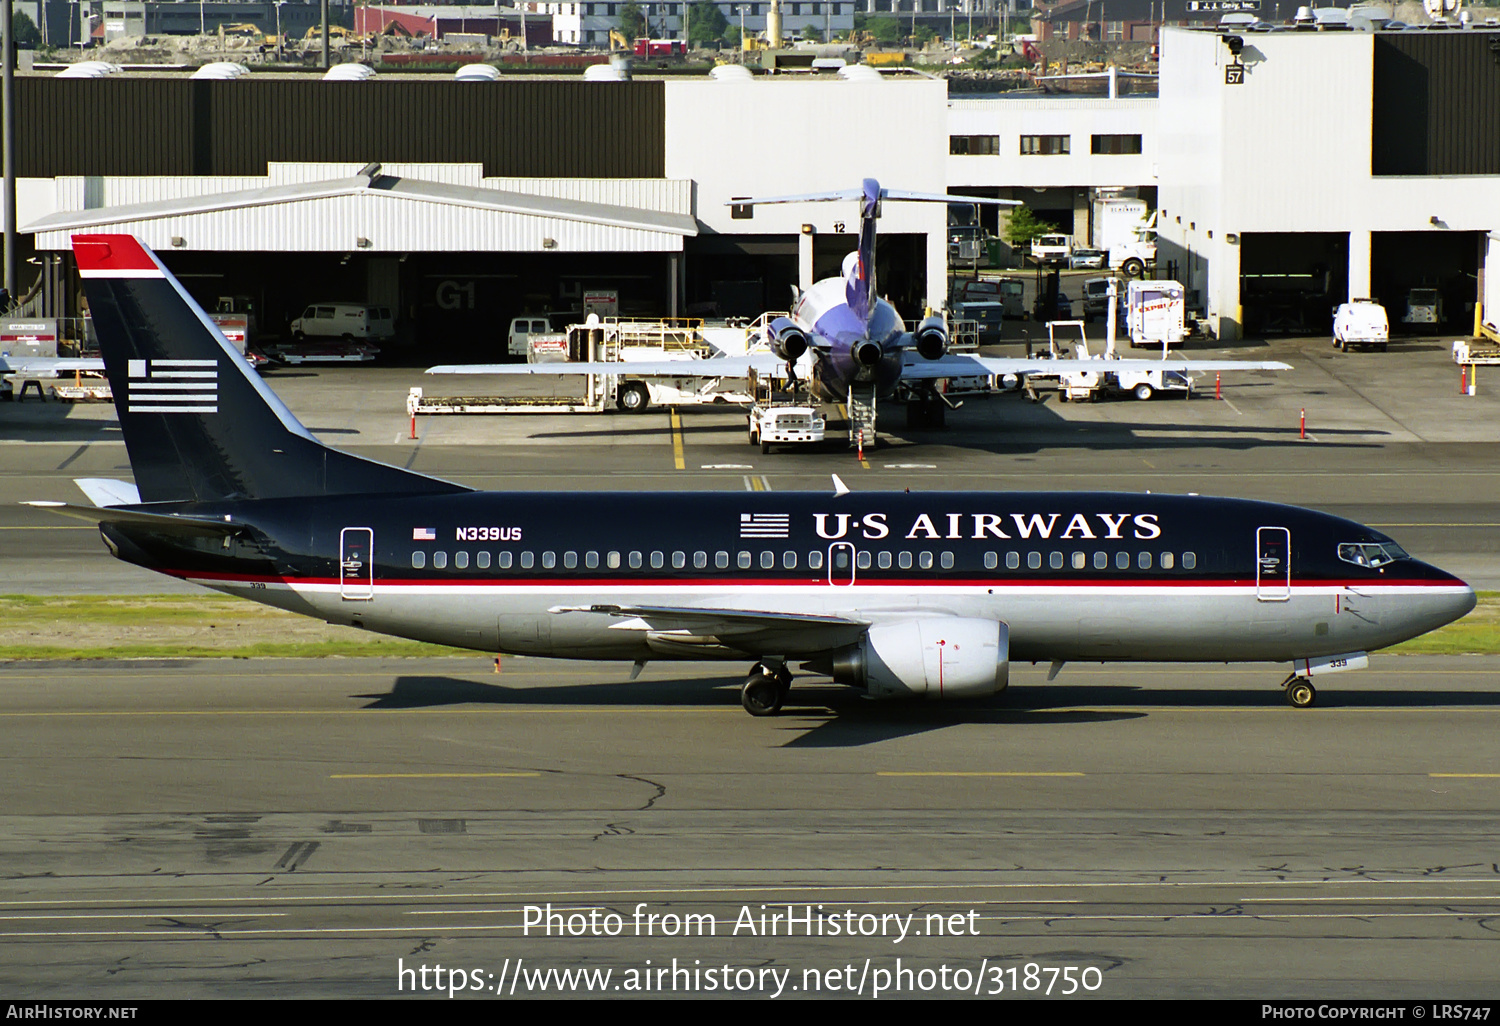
(279,41)
(742,33)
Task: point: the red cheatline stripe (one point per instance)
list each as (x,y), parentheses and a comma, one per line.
(741,582)
(111,253)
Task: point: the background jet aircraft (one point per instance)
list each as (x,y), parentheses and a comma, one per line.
(859,345)
(929,594)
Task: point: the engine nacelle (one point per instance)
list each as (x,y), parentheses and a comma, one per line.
(787,340)
(867,353)
(931,338)
(942,657)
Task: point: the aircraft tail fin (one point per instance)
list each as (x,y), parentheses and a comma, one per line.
(198,422)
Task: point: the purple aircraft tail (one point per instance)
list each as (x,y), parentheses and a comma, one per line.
(859,275)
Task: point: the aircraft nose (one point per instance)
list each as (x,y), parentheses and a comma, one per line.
(1456,600)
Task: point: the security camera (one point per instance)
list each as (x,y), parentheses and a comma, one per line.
(1235,44)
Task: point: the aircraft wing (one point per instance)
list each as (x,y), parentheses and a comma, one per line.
(714,367)
(963,365)
(802,631)
(48,364)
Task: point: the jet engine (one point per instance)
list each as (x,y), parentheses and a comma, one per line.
(931,338)
(867,353)
(787,340)
(941,657)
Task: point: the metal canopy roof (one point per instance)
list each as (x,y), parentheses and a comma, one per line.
(377,212)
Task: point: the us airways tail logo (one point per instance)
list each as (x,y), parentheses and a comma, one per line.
(172,386)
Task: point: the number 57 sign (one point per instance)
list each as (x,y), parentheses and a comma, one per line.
(1234,74)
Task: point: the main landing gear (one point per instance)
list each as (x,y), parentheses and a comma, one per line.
(1299,691)
(766,689)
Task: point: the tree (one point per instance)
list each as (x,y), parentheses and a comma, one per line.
(1022,226)
(706,24)
(885,30)
(811,34)
(633,22)
(24,31)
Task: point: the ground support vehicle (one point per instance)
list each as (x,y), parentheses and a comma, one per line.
(1155,313)
(1361,323)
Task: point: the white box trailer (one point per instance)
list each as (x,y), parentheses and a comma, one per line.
(1489,318)
(1116,221)
(1155,313)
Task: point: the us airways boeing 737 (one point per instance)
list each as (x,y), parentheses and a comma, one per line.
(857,344)
(929,594)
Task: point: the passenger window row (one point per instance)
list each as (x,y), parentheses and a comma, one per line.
(864,559)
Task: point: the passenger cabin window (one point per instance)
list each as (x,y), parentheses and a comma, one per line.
(461,560)
(679,560)
(528,560)
(505,558)
(946,560)
(439,560)
(1012,561)
(884,559)
(482,560)
(991,560)
(612,561)
(570,560)
(721,560)
(1034,560)
(815,560)
(635,561)
(1166,561)
(905,560)
(658,560)
(591,560)
(418,560)
(745,559)
(700,560)
(549,560)
(768,560)
(1189,560)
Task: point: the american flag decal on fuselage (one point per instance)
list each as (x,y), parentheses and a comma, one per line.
(173,386)
(765,525)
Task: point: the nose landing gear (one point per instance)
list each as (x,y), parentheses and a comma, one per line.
(766,689)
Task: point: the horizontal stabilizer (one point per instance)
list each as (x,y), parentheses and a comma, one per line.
(106,491)
(165,523)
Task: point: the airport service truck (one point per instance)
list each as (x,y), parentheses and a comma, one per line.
(1155,313)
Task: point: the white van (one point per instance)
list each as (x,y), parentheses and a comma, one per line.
(349,321)
(1362,323)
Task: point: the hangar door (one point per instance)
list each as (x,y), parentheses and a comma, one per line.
(1290,282)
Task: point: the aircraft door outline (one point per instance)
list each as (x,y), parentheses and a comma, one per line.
(357,564)
(841,564)
(1273,564)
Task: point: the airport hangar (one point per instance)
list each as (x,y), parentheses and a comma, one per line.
(1346,164)
(490,199)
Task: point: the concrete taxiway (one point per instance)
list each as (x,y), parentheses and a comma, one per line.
(295,828)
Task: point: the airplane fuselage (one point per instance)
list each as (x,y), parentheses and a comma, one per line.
(823,310)
(1085,575)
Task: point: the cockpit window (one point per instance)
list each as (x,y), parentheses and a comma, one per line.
(1371,554)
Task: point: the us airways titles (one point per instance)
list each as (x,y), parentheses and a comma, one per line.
(976,526)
